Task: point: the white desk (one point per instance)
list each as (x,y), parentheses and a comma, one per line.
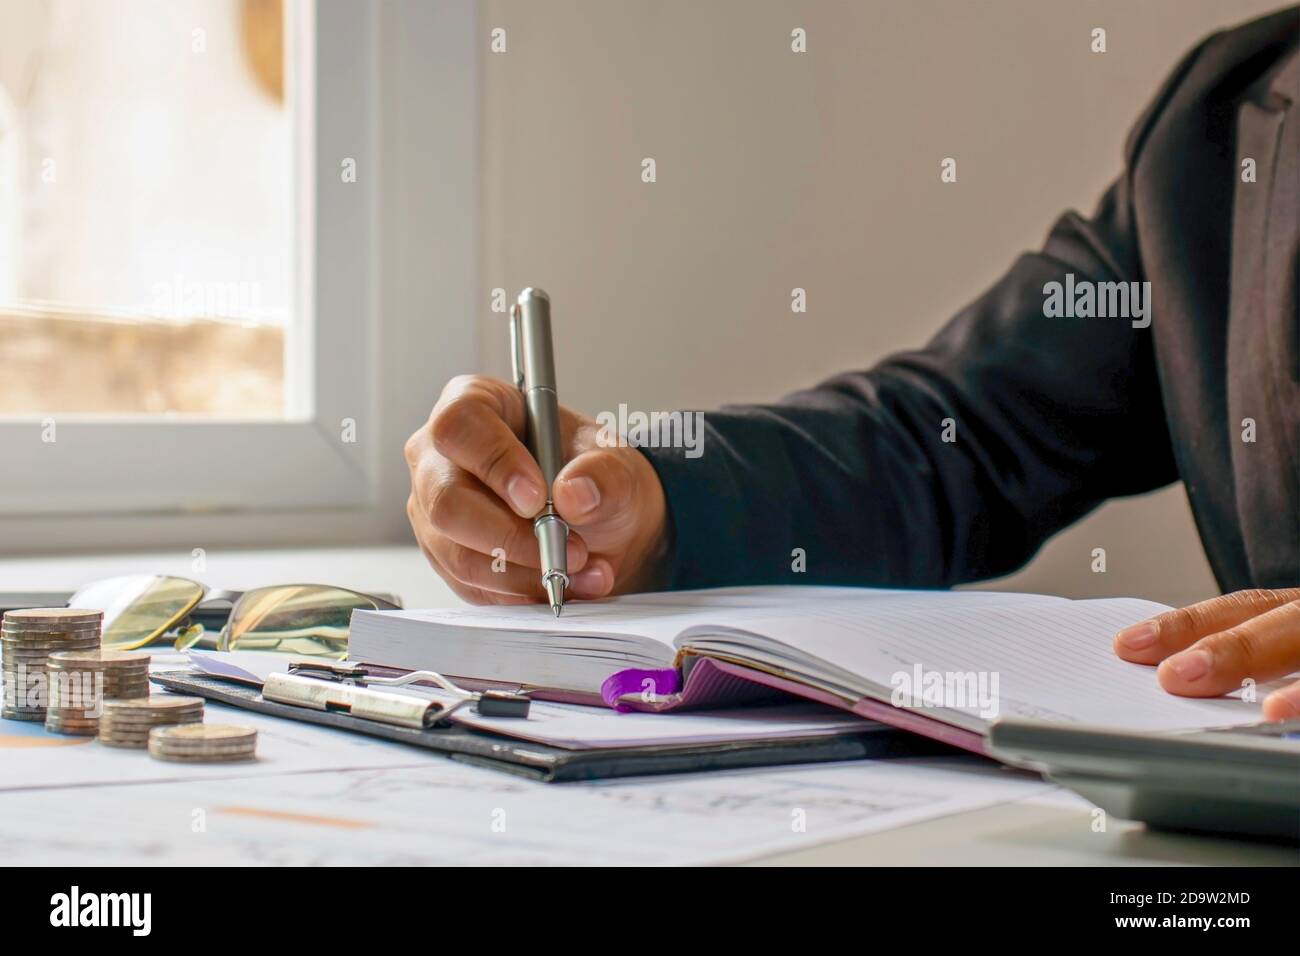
(1054,832)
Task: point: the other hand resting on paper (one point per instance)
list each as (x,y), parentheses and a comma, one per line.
(1211,648)
(475,488)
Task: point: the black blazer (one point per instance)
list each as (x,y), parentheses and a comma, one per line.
(1053,415)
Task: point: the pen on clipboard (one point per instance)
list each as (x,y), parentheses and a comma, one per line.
(533,361)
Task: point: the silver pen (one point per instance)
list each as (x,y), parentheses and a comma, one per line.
(533,360)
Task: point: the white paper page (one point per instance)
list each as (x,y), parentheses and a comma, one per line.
(246,667)
(453,814)
(576,726)
(31,757)
(1051,660)
(659,617)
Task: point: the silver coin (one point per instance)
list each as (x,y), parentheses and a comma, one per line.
(244,751)
(93,682)
(74,701)
(206,734)
(200,758)
(141,683)
(158,702)
(126,691)
(48,646)
(22,713)
(73,729)
(119,708)
(135,684)
(143,727)
(145,723)
(171,748)
(203,739)
(99,659)
(74,697)
(182,746)
(25,698)
(60,641)
(12,635)
(50,643)
(40,615)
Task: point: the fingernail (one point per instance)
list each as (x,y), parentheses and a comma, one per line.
(1138,636)
(525,497)
(591,579)
(1190,666)
(585,493)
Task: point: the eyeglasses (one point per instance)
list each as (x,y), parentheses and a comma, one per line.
(306,619)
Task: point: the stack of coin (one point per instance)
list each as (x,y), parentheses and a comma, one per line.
(27,638)
(202,743)
(80,681)
(126,723)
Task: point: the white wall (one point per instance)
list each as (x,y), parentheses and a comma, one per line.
(820,170)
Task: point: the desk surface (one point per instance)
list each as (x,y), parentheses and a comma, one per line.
(1055,832)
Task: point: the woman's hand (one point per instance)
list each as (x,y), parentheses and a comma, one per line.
(1212,648)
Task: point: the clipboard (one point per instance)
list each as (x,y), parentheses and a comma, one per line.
(557,765)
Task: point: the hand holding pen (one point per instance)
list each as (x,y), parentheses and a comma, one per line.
(476,490)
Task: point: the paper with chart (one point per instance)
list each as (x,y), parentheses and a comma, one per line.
(449,814)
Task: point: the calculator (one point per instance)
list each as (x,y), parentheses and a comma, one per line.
(1241,781)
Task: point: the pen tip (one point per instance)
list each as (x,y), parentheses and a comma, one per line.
(555,593)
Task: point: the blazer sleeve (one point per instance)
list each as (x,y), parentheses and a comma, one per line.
(948,464)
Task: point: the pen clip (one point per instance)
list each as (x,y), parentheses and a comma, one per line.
(328,670)
(517,345)
(489,703)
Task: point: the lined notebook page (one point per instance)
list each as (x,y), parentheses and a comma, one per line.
(658,617)
(1052,658)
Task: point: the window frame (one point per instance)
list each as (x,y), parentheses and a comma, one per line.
(124,482)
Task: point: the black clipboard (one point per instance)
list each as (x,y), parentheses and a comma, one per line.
(555,764)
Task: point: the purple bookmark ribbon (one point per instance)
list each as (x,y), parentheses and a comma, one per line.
(638,681)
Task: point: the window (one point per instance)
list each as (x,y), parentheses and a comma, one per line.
(204,411)
(146,165)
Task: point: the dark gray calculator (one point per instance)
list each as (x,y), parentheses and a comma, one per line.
(1239,780)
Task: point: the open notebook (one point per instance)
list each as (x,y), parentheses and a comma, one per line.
(945,664)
